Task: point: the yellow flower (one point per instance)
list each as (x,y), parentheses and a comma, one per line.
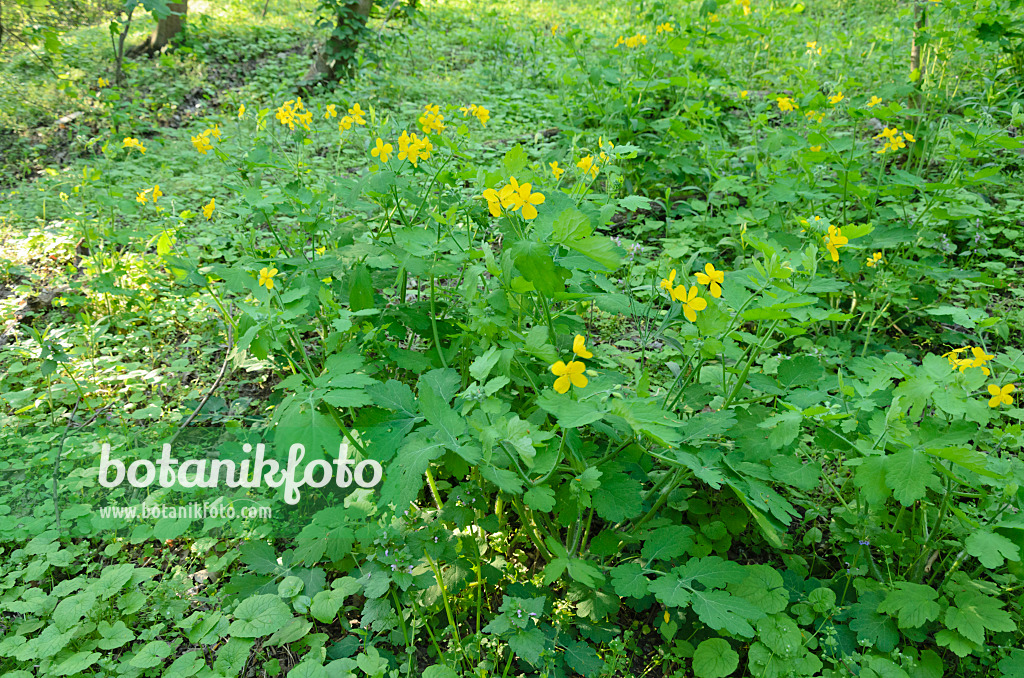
(664,28)
(320,250)
(588,166)
(743,94)
(102,83)
(130,142)
(980,358)
(812,47)
(669,282)
(142,197)
(810,115)
(571,374)
(382,150)
(466,110)
(202,143)
(786,104)
(432,121)
(874,101)
(909,137)
(208,209)
(432,108)
(241,111)
(691,302)
(556,170)
(493,202)
(893,139)
(711,279)
(345,123)
(554,29)
(267,277)
(579,347)
(815,149)
(834,240)
(520,197)
(482,114)
(874,259)
(332,112)
(746,6)
(835,98)
(63,196)
(285,114)
(1000,396)
(357,114)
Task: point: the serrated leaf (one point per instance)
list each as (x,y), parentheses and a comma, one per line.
(666,543)
(582,658)
(909,475)
(725,612)
(629,581)
(991,548)
(914,604)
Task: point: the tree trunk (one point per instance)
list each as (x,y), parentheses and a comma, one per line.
(166,29)
(337,55)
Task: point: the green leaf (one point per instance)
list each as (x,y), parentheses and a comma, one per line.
(440,671)
(184,666)
(670,590)
(872,627)
(975,612)
(151,655)
(582,658)
(567,412)
(405,475)
(528,644)
(619,497)
(909,475)
(764,588)
(77,663)
(781,635)
(309,669)
(799,371)
(723,611)
(360,288)
(260,615)
(706,425)
(536,265)
(915,604)
(991,549)
(113,636)
(629,581)
(712,572)
(666,543)
(540,498)
(714,658)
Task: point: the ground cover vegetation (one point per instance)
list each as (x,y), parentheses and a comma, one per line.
(687,335)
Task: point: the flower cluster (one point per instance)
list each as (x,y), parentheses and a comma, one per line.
(143,196)
(745,4)
(688,298)
(131,142)
(874,260)
(202,142)
(894,139)
(786,104)
(664,28)
(632,42)
(571,374)
(814,115)
(812,48)
(293,111)
(513,196)
(481,113)
(413,149)
(979,359)
(432,120)
(102,83)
